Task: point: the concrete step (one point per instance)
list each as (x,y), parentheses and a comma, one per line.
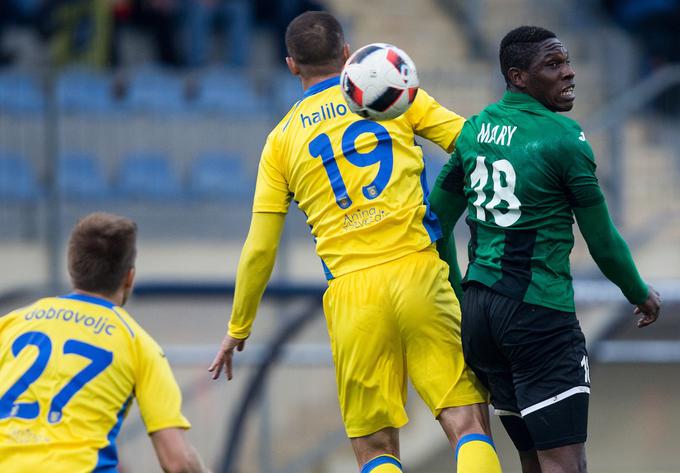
(380,21)
(650,177)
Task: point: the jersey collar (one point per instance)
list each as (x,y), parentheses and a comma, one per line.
(522,101)
(91,299)
(323,85)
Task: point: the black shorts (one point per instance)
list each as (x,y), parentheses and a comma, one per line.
(534,362)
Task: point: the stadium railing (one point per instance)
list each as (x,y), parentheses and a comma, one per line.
(282,352)
(610,121)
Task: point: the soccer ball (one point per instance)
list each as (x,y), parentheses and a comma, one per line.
(379,81)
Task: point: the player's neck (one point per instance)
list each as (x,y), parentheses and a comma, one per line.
(116,298)
(308,82)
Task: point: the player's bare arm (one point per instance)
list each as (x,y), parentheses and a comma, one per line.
(174,453)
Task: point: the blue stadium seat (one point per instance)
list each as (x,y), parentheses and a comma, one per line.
(287,90)
(85,90)
(18,180)
(227,91)
(156,90)
(20,93)
(218,175)
(148,176)
(81,177)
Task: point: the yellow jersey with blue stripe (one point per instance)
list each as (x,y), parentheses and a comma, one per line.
(69,369)
(361,183)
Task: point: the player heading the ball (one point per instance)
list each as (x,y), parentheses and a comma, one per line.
(391,313)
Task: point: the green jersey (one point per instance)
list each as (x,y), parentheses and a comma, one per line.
(522,169)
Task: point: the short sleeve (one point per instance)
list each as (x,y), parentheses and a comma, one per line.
(577,163)
(434,122)
(271,191)
(156,390)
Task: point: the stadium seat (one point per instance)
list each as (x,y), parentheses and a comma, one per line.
(18,180)
(218,175)
(85,90)
(20,93)
(155,90)
(227,91)
(81,177)
(288,90)
(148,176)
(235,18)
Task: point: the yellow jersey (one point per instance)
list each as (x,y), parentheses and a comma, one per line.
(360,183)
(69,369)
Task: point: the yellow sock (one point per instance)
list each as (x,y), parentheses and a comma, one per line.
(382,464)
(475,453)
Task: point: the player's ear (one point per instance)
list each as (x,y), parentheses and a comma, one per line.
(292,66)
(128,282)
(129,279)
(345,52)
(517,77)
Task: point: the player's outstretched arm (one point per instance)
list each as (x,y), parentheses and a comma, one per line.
(448,203)
(612,256)
(175,454)
(254,268)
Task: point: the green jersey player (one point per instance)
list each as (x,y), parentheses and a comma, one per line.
(523,172)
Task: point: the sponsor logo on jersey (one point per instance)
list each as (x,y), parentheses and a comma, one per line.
(362,218)
(25,435)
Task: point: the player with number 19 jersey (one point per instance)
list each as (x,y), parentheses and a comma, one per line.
(69,369)
(390,310)
(360,183)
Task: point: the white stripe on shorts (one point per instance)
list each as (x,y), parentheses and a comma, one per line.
(502,412)
(554,399)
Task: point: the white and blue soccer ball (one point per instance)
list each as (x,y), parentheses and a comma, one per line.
(379,82)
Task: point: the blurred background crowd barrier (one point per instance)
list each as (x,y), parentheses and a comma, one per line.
(158,110)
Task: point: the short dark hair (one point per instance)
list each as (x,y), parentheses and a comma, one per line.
(101,250)
(315,40)
(519,47)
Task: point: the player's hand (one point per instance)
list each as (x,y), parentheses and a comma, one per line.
(225,355)
(649,309)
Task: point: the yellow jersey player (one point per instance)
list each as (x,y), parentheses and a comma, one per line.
(390,311)
(71,365)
